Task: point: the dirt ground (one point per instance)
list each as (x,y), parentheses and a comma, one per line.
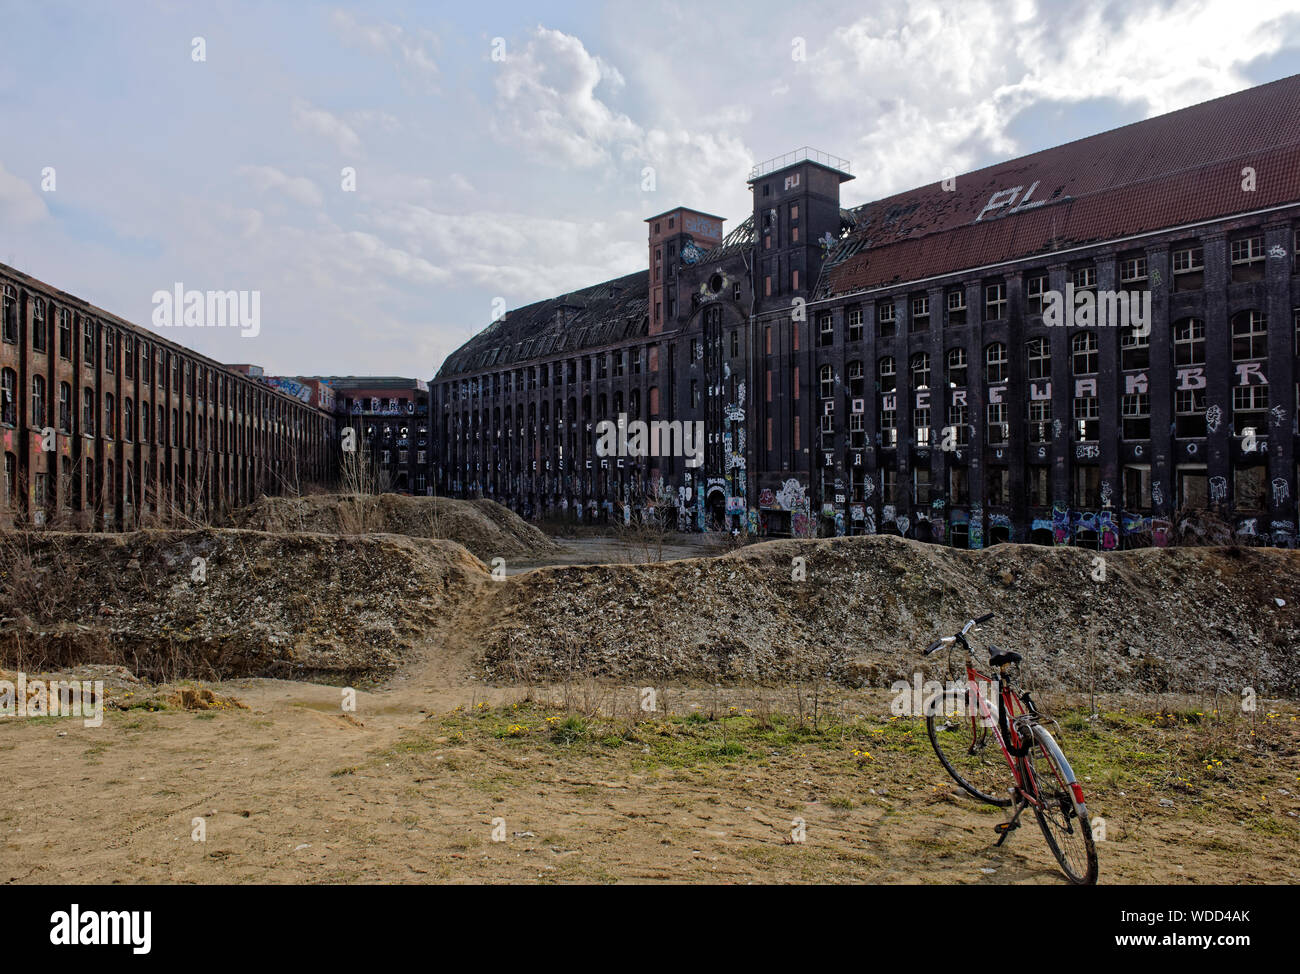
(418,783)
(433,767)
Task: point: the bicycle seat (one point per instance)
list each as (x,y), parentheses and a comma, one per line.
(1001,657)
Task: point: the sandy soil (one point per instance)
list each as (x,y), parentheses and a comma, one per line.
(410,787)
(417,783)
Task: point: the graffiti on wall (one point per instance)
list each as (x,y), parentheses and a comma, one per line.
(1060,524)
(791,496)
(1281,492)
(1106,528)
(1002,521)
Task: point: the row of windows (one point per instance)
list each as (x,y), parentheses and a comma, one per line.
(1246,259)
(618,363)
(43,493)
(1249,487)
(199,382)
(225,431)
(1249,342)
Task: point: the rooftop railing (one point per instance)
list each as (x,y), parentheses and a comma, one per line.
(805,154)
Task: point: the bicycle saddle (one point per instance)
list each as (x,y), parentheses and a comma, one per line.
(1001,657)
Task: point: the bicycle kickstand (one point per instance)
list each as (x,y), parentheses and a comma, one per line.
(1003,829)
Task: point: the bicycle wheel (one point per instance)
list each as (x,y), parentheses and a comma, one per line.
(969,750)
(1062,813)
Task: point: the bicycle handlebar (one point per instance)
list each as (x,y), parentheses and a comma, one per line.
(949,640)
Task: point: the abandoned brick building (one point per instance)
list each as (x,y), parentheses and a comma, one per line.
(896,367)
(390,416)
(104,423)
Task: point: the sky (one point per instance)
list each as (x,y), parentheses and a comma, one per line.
(498,151)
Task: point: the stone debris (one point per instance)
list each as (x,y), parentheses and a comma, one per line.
(484,527)
(1162,619)
(214,603)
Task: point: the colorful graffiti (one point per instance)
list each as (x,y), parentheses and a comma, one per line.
(975,533)
(792,495)
(1002,521)
(1060,524)
(1106,526)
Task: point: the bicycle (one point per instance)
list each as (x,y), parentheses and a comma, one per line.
(992,711)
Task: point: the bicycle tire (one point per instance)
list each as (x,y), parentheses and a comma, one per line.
(963,739)
(1062,812)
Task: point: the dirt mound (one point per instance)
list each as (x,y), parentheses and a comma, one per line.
(219,603)
(484,527)
(1172,619)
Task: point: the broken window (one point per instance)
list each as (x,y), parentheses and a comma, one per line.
(853,321)
(1189,342)
(995,363)
(1038,358)
(996,428)
(1247,255)
(956,301)
(1035,291)
(1083,353)
(1249,335)
(955,367)
(995,301)
(1135,414)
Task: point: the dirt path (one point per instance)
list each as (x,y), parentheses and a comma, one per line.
(432,768)
(410,788)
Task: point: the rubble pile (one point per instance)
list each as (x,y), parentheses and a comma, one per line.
(484,527)
(219,603)
(860,610)
(222,603)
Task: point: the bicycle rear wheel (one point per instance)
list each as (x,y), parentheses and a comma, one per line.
(969,750)
(1062,813)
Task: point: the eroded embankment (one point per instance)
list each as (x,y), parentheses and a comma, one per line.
(858,610)
(220,603)
(484,527)
(1176,619)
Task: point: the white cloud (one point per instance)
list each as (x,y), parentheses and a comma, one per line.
(20,204)
(317,121)
(269,179)
(520,257)
(547,102)
(412,51)
(939,85)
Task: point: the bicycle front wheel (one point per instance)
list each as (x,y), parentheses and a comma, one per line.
(1061,811)
(968,749)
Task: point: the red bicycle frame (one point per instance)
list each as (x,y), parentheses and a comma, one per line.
(1011,707)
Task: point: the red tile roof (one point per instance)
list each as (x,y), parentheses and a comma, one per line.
(1178,168)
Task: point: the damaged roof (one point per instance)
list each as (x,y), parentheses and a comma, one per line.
(587,318)
(1178,168)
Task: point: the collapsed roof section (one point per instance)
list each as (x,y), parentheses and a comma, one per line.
(588,318)
(739,240)
(1174,169)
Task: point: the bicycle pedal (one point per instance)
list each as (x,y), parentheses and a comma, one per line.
(1003,829)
